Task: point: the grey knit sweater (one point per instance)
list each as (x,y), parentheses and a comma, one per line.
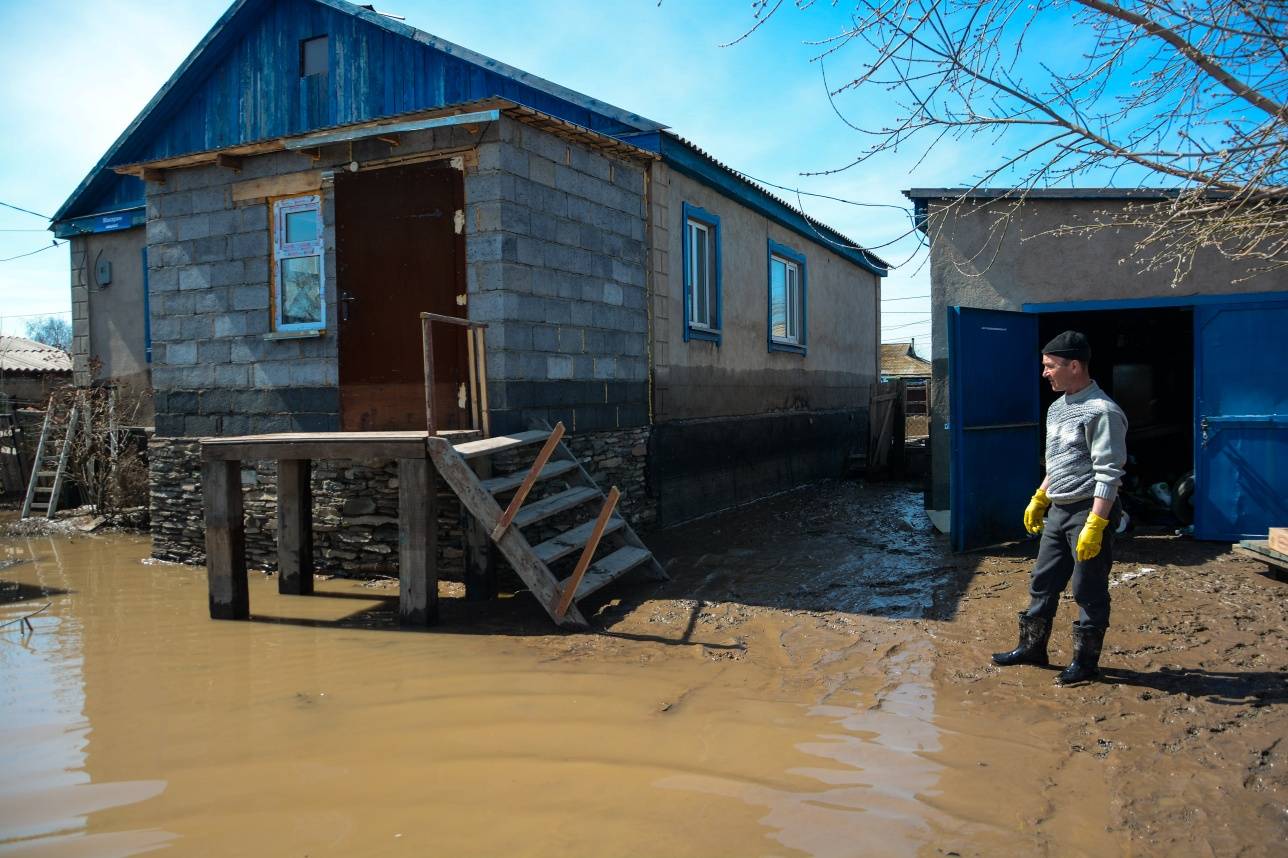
(1086,446)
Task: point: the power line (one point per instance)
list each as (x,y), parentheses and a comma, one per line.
(34,315)
(907,325)
(24,230)
(21,209)
(909,298)
(33,252)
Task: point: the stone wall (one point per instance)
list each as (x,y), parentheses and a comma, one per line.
(355,505)
(355,513)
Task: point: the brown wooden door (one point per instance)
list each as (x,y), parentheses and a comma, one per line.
(398,253)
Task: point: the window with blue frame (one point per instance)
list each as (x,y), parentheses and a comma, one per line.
(701,245)
(787,302)
(298,258)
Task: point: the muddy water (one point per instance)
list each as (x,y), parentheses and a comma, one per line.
(735,711)
(132,722)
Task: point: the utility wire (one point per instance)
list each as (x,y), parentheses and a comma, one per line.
(909,298)
(21,209)
(34,315)
(34,252)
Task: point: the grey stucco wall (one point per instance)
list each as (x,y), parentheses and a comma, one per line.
(740,375)
(978,259)
(556,257)
(108,321)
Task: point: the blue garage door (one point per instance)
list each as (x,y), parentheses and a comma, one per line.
(1241,436)
(994,412)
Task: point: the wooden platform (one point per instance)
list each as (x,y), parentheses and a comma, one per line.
(221,462)
(1259,549)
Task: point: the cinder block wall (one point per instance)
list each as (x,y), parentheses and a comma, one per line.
(556,253)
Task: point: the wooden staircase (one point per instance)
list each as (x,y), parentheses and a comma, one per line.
(50,463)
(574,517)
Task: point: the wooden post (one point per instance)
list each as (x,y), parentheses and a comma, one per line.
(294,527)
(471,369)
(480,550)
(481,351)
(417,542)
(427,346)
(225,540)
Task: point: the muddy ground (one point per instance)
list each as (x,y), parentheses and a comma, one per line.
(1181,748)
(813,680)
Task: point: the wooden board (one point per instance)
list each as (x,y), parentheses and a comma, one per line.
(555,504)
(277,186)
(225,541)
(509,482)
(417,543)
(323,445)
(499,444)
(294,527)
(1278,540)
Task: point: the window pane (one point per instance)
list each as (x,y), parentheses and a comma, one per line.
(777,299)
(301,290)
(701,312)
(711,279)
(793,305)
(301,226)
(313,59)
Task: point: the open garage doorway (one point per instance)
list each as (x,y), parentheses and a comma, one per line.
(1144,360)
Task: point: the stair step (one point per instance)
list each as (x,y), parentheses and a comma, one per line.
(496,485)
(501,443)
(45,489)
(572,540)
(604,572)
(46,473)
(39,505)
(553,505)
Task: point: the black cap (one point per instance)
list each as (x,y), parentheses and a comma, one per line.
(1071,345)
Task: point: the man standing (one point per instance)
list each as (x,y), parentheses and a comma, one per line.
(1085,452)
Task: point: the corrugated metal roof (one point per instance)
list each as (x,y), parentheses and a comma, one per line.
(19,354)
(899,360)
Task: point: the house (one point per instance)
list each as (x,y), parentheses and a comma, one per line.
(29,373)
(316,174)
(1196,364)
(901,361)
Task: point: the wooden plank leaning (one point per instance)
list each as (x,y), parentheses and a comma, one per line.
(587,554)
(529,481)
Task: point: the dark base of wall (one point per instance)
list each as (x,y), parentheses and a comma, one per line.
(355,505)
(698,467)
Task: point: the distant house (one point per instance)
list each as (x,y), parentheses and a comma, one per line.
(30,371)
(1197,365)
(900,361)
(315,174)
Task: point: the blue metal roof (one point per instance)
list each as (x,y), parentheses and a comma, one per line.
(242,84)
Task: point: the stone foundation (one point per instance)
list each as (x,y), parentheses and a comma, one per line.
(355,513)
(355,505)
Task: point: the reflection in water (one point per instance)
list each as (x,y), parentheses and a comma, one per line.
(870,800)
(46,794)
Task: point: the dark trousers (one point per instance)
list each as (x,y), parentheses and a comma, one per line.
(1057,563)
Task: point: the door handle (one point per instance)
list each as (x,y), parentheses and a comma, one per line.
(345,300)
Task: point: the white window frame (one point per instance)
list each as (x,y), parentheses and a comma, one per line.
(699,231)
(282,251)
(792,303)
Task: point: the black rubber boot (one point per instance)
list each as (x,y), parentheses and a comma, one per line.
(1032,648)
(1087,642)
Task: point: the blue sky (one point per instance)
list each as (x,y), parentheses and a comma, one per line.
(73,75)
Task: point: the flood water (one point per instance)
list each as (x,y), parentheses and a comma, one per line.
(132,722)
(721,714)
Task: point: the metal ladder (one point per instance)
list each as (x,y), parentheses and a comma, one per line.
(50,463)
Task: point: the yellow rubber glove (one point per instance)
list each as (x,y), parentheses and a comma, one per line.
(1089,539)
(1035,512)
